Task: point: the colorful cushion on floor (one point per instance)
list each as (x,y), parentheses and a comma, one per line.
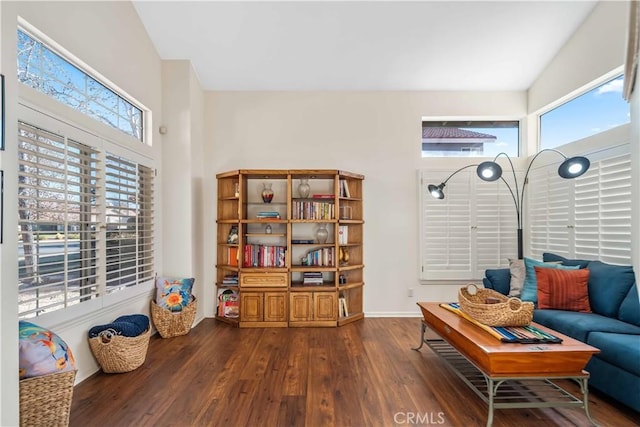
(563,289)
(173,294)
(42,352)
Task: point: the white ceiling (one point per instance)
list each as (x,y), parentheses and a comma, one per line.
(358,45)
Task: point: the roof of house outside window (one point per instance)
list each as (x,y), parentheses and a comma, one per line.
(445,133)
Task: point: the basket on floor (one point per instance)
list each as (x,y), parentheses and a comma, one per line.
(172,324)
(46,400)
(117,353)
(501,311)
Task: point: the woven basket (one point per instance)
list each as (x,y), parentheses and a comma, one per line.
(171,324)
(506,312)
(46,400)
(117,354)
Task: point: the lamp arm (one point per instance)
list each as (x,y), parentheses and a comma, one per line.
(526,175)
(515,201)
(515,180)
(459,170)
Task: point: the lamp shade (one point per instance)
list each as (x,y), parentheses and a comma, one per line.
(489,171)
(573,167)
(436,190)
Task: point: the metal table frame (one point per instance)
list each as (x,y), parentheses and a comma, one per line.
(509,392)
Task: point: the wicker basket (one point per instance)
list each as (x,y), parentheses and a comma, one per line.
(117,354)
(46,400)
(171,324)
(505,312)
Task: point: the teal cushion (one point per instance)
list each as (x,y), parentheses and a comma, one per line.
(549,257)
(608,286)
(618,349)
(530,287)
(498,279)
(630,307)
(42,352)
(581,325)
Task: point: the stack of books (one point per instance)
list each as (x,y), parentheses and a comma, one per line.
(312,278)
(268,215)
(230,279)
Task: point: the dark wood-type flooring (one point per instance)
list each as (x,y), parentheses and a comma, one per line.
(363,374)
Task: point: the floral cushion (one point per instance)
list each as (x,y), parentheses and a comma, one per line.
(173,294)
(42,352)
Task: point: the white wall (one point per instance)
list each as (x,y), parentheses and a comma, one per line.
(110,38)
(377,134)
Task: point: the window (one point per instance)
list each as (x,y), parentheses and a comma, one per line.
(473,228)
(594,222)
(43,69)
(469,138)
(595,111)
(85,221)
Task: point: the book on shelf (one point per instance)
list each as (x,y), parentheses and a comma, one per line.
(343,234)
(232,256)
(322,196)
(342,303)
(301,241)
(312,278)
(230,279)
(264,256)
(268,215)
(344,188)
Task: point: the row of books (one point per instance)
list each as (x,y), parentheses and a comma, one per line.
(344,188)
(323,257)
(312,278)
(268,215)
(312,210)
(264,256)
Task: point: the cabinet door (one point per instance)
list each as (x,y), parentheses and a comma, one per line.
(251,306)
(275,306)
(325,306)
(300,306)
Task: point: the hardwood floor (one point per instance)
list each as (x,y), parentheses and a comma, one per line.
(362,374)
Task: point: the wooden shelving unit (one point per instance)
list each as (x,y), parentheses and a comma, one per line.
(272,256)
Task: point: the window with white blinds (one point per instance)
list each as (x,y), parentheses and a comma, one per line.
(588,217)
(129,220)
(473,228)
(85,221)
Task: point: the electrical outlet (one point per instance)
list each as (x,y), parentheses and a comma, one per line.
(410,292)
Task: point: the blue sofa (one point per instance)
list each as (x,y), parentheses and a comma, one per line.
(613,326)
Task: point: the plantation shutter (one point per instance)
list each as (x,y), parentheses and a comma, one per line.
(129,222)
(57,221)
(471,229)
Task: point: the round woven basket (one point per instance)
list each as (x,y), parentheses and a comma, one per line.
(170,324)
(508,311)
(119,354)
(46,400)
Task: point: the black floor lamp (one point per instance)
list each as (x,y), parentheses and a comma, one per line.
(571,167)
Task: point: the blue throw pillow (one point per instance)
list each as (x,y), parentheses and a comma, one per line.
(608,285)
(530,287)
(549,257)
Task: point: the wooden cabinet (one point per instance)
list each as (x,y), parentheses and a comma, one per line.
(290,246)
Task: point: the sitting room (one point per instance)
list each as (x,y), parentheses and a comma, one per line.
(310,213)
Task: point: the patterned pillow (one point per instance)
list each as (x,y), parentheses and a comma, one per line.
(173,294)
(563,289)
(42,352)
(530,286)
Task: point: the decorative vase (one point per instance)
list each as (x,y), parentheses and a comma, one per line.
(267,192)
(322,234)
(343,255)
(268,229)
(304,188)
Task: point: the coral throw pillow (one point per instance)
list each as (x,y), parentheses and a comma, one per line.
(563,289)
(42,352)
(173,294)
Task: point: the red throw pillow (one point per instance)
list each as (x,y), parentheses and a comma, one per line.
(563,289)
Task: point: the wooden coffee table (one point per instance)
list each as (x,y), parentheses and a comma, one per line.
(507,375)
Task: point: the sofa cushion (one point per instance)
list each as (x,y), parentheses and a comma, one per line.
(620,350)
(530,287)
(517,271)
(608,286)
(563,289)
(630,307)
(499,280)
(579,325)
(549,257)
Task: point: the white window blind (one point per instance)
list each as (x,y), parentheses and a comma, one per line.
(129,217)
(473,228)
(588,217)
(57,206)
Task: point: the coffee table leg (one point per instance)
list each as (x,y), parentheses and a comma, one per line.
(423,329)
(584,388)
(492,389)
